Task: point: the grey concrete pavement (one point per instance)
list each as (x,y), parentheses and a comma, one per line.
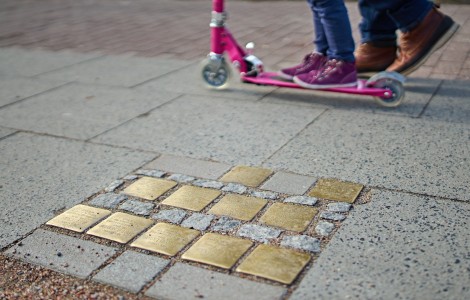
(71,123)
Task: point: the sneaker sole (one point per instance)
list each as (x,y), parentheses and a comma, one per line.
(323,86)
(439,43)
(285,76)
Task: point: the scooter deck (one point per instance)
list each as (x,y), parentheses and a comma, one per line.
(271,78)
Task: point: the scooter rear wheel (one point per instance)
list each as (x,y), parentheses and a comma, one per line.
(215,73)
(395,87)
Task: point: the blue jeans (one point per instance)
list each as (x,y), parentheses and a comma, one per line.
(382,18)
(333,35)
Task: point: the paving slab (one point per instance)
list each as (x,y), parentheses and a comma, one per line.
(16,62)
(14,89)
(75,171)
(79,111)
(62,253)
(393,152)
(399,246)
(183,282)
(124,70)
(189,81)
(451,104)
(212,128)
(131,271)
(418,92)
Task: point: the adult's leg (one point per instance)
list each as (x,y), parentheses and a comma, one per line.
(424,30)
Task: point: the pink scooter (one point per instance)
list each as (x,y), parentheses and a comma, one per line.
(385,87)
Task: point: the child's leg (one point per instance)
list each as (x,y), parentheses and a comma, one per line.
(339,70)
(314,60)
(334,19)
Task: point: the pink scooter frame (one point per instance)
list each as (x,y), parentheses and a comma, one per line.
(386,87)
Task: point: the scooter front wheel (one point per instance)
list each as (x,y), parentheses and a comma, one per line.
(216,73)
(396,88)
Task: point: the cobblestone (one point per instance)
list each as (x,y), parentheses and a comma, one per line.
(151,173)
(324,228)
(171,215)
(235,188)
(113,186)
(198,221)
(138,207)
(130,177)
(302,242)
(181,178)
(258,233)
(225,224)
(305,200)
(208,184)
(108,200)
(332,216)
(339,207)
(264,194)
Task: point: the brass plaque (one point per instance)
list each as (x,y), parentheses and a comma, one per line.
(249,176)
(120,227)
(166,238)
(217,250)
(333,189)
(279,264)
(79,217)
(192,197)
(149,188)
(288,216)
(238,207)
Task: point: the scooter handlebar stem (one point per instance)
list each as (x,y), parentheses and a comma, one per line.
(218,5)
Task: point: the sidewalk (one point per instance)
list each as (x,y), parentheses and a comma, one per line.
(106,128)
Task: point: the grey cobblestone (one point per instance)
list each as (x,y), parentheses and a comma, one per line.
(130,177)
(108,200)
(302,242)
(235,188)
(305,200)
(151,173)
(113,186)
(225,224)
(131,270)
(339,207)
(258,233)
(138,207)
(181,178)
(208,184)
(171,215)
(264,194)
(198,221)
(324,228)
(332,216)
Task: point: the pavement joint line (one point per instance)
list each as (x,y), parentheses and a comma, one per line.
(441,82)
(101,56)
(295,136)
(35,95)
(166,74)
(309,230)
(10,134)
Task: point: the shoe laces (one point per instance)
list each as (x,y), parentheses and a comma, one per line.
(329,67)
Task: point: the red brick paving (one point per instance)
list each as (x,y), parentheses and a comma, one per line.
(179,29)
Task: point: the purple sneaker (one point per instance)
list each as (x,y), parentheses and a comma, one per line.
(311,62)
(334,73)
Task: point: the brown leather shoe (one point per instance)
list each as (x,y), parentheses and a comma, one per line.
(419,43)
(373,57)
